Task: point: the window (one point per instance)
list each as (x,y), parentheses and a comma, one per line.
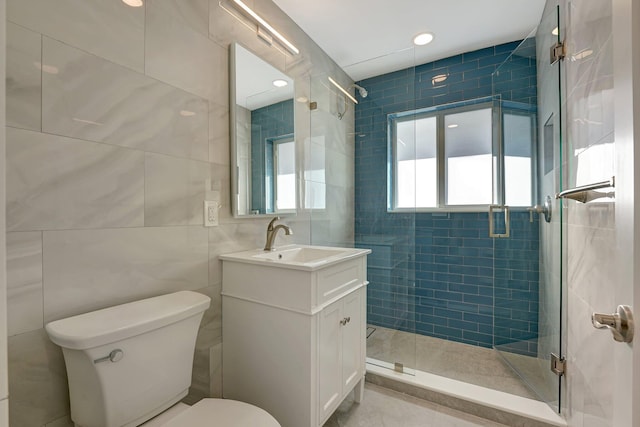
(285,166)
(468,153)
(518,154)
(453,157)
(280,175)
(416,163)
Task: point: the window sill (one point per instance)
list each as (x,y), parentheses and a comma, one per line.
(450,209)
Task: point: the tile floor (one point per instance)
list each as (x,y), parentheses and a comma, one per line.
(382,407)
(463,362)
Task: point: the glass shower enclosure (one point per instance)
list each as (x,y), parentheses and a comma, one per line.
(452,169)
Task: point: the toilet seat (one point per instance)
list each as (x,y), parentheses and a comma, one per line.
(222,413)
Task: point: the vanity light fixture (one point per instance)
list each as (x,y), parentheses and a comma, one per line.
(133,3)
(261,23)
(343,90)
(280,83)
(423,39)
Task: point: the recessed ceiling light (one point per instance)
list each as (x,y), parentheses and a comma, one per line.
(133,3)
(452,126)
(422,39)
(439,78)
(280,83)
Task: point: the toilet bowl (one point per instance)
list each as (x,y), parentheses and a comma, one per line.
(131,364)
(213,413)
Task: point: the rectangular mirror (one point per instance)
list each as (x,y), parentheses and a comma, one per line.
(262,137)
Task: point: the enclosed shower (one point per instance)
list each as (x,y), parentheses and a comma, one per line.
(457,163)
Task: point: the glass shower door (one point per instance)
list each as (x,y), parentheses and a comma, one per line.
(337,144)
(528,265)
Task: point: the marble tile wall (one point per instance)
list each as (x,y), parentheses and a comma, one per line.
(4,392)
(591,236)
(106,173)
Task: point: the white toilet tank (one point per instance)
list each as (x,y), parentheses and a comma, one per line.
(129,362)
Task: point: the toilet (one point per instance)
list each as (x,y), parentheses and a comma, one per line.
(130,365)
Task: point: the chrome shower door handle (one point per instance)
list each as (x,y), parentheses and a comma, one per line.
(619,323)
(507,224)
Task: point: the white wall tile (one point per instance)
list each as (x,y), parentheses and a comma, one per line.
(4,392)
(184,57)
(219,134)
(24,89)
(591,238)
(4,413)
(60,183)
(193,14)
(221,188)
(233,237)
(87,270)
(37,380)
(24,282)
(109,29)
(175,190)
(97,100)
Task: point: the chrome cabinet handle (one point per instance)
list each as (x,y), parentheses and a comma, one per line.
(619,323)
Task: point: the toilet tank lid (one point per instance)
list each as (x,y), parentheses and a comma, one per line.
(119,322)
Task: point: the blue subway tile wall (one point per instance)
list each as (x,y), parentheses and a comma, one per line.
(268,122)
(440,274)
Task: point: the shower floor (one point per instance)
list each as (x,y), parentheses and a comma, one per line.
(463,362)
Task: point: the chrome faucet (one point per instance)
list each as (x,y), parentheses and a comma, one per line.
(272,231)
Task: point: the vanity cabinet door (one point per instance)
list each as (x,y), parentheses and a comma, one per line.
(341,342)
(330,358)
(352,338)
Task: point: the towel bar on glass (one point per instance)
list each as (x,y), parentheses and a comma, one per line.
(586,193)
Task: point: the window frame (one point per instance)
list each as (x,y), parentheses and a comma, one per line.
(498,166)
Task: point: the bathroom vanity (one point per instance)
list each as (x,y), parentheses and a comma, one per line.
(294,330)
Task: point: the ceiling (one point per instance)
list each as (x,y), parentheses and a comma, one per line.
(372,37)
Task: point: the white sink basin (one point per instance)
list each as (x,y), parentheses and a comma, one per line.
(296,256)
(300,254)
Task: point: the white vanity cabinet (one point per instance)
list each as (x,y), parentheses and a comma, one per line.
(342,327)
(294,333)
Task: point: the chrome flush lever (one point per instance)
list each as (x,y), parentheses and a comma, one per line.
(619,323)
(114,356)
